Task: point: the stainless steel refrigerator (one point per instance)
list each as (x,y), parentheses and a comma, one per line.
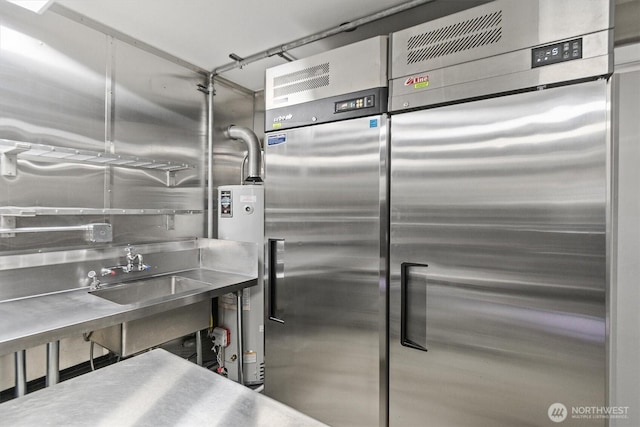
(325,169)
(500,197)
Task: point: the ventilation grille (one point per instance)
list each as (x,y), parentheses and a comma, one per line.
(459,37)
(301,81)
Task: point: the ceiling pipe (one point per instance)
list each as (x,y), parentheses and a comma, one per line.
(278,50)
(253,146)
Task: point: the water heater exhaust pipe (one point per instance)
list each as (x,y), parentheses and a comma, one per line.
(253,146)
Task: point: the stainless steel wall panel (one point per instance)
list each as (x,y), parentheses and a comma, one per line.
(229,156)
(624,376)
(52,80)
(322,197)
(67,85)
(148,228)
(627,30)
(52,92)
(231,107)
(158,114)
(56,75)
(38,275)
(504,200)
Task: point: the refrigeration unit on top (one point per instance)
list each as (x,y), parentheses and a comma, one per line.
(500,187)
(325,166)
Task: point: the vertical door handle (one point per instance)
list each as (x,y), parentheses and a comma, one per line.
(275,277)
(413,309)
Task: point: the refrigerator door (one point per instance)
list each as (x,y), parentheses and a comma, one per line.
(322,227)
(498,260)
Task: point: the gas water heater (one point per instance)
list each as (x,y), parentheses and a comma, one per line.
(241,218)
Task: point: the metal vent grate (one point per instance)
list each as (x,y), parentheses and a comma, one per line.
(300,81)
(301,86)
(462,36)
(307,73)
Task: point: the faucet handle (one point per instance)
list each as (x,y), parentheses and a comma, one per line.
(107,272)
(95,283)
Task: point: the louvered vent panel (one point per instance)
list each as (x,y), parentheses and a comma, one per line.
(307,73)
(300,81)
(301,87)
(465,35)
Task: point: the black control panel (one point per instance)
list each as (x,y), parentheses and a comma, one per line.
(362,103)
(559,52)
(226,210)
(355,104)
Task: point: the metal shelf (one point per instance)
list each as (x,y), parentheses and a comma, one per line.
(95,233)
(10,150)
(8,215)
(21,211)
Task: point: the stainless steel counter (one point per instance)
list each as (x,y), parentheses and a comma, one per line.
(32,321)
(153,389)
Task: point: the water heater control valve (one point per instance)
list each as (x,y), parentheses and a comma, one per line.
(221,336)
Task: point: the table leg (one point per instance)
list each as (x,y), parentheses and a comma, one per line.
(53,363)
(21,372)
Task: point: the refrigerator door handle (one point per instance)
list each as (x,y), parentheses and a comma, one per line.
(405,312)
(276,279)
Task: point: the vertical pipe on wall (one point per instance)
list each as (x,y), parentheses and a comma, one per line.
(53,363)
(239,336)
(21,373)
(199,348)
(109,118)
(211,93)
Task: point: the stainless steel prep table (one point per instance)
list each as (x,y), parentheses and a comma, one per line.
(32,321)
(153,389)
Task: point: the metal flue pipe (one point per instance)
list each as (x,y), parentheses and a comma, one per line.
(253,146)
(277,50)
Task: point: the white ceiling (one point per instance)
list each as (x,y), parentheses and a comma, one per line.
(205,32)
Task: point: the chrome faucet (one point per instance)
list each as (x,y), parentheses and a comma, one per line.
(95,283)
(131,258)
(134,263)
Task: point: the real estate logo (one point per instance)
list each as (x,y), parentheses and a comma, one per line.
(557,412)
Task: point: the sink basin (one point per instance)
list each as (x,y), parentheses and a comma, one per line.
(148,290)
(133,336)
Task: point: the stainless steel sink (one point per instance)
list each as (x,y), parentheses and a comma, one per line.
(137,335)
(149,289)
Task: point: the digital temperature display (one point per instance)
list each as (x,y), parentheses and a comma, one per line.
(355,104)
(559,52)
